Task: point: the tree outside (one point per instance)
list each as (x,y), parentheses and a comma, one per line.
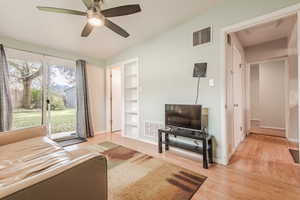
(26,90)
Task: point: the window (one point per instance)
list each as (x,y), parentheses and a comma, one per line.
(43,92)
(26,88)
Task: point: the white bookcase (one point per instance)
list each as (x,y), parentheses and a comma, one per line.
(131,99)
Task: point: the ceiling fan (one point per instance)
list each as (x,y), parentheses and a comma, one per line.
(98,17)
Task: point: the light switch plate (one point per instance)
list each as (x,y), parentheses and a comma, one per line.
(211,82)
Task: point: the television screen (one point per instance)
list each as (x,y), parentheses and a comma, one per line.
(183,116)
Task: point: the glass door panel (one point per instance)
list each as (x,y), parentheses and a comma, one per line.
(61,98)
(26,88)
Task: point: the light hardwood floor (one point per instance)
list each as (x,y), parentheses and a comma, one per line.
(261,169)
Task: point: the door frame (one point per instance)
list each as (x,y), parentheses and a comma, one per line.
(109,94)
(291,10)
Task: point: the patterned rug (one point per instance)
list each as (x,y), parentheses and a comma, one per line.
(136,176)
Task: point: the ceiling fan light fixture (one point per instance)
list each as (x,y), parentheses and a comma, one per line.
(95,19)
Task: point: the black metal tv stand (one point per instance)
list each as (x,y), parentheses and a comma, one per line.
(206,148)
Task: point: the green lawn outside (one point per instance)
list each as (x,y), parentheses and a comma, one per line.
(61,120)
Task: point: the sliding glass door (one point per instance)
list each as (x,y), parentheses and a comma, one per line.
(26,88)
(61,98)
(43,92)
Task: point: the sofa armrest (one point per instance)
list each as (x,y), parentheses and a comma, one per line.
(22,134)
(87,180)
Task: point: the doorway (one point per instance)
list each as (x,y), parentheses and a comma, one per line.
(268,106)
(124,75)
(61,99)
(268,40)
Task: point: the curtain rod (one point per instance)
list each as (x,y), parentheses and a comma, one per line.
(42,54)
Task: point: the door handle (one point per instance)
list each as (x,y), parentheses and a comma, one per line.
(48,104)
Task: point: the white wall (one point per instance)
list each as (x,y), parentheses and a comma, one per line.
(293,85)
(166,63)
(96,85)
(267,51)
(254,92)
(12,43)
(272,94)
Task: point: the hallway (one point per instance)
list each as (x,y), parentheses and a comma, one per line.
(267,156)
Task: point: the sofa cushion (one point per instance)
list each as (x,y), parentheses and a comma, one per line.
(33,160)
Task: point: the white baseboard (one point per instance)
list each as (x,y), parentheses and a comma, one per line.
(270,127)
(101,132)
(293,140)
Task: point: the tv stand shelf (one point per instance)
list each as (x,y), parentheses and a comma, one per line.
(206,148)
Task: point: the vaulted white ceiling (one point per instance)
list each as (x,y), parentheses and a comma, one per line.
(22,21)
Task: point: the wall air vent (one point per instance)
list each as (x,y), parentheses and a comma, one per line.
(151,129)
(203,36)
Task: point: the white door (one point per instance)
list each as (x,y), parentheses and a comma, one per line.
(237,97)
(116,99)
(229,96)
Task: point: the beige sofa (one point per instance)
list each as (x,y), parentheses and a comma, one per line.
(33,167)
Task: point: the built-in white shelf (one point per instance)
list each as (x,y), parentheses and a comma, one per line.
(131,98)
(132,124)
(131,113)
(131,88)
(130,75)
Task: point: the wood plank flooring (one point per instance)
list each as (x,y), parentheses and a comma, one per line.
(259,170)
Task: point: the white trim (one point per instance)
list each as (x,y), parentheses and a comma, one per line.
(234,28)
(292,140)
(271,127)
(248,98)
(101,132)
(286,99)
(108,95)
(283,58)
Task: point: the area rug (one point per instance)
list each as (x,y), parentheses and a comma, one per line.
(65,143)
(295,155)
(136,176)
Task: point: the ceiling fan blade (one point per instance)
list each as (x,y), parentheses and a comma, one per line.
(87,30)
(88,3)
(121,11)
(61,10)
(115,28)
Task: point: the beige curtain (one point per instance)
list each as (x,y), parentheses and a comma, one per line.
(84,119)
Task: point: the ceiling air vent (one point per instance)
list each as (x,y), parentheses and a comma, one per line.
(202,37)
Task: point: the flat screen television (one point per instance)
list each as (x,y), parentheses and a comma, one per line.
(183,116)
